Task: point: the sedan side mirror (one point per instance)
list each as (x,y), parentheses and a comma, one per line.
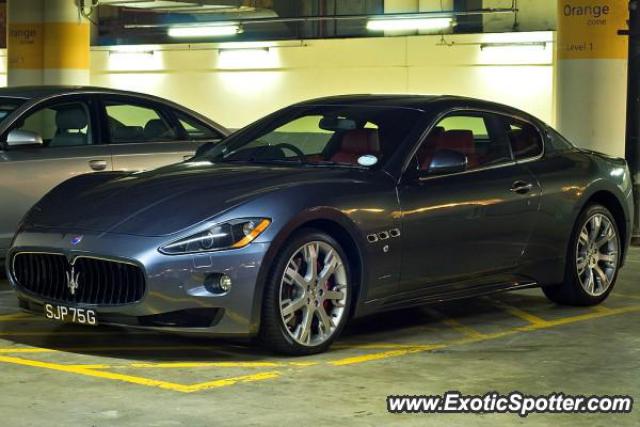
(19,137)
(447,161)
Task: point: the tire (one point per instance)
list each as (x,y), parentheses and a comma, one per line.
(289,298)
(591,270)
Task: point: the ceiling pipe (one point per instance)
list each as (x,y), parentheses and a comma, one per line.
(305,19)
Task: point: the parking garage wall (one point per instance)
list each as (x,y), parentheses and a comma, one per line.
(236,87)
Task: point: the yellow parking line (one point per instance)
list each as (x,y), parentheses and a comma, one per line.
(546,324)
(231,381)
(179,365)
(516,312)
(74,369)
(601,309)
(462,328)
(385,355)
(94,370)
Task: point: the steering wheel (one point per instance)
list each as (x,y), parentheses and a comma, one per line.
(298,152)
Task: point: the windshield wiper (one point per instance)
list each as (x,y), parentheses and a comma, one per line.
(330,163)
(259,161)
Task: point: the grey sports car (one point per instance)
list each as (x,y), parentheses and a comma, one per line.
(327,210)
(50,133)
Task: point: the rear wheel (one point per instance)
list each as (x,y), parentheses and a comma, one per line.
(592,260)
(307,297)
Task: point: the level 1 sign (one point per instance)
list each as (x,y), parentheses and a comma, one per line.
(588,29)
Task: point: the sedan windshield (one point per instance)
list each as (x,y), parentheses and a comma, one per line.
(321,135)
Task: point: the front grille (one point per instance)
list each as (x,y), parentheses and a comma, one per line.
(98,282)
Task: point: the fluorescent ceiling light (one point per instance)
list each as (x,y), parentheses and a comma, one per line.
(204,31)
(508,45)
(409,24)
(130,50)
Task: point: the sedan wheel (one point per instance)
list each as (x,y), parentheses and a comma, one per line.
(592,260)
(597,255)
(308,295)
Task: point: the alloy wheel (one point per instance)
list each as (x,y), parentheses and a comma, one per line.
(597,255)
(313,293)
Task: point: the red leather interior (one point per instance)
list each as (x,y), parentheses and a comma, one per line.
(456,140)
(356,143)
(461,141)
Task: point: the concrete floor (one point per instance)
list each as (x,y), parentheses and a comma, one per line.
(61,374)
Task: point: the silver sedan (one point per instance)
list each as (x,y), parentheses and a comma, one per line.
(49,134)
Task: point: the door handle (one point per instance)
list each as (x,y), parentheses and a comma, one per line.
(98,165)
(187,157)
(521,187)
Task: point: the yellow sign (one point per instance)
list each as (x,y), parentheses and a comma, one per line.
(588,29)
(25,46)
(66,45)
(53,45)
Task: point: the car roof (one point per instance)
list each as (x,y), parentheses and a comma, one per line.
(39,93)
(30,92)
(416,102)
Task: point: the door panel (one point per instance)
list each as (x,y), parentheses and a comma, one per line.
(28,174)
(468,227)
(147,156)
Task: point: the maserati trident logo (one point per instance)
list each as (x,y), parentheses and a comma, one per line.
(72,280)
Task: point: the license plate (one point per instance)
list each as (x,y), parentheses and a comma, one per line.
(63,313)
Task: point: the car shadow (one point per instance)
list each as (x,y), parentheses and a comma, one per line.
(420,325)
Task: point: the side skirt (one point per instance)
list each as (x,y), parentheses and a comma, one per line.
(381,305)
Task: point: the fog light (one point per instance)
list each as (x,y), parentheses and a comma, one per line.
(225,283)
(218,283)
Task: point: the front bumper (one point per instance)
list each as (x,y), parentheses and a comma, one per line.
(176,298)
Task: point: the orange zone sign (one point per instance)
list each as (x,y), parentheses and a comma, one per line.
(588,29)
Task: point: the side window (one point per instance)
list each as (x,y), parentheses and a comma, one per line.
(525,140)
(557,142)
(475,135)
(196,130)
(130,123)
(60,125)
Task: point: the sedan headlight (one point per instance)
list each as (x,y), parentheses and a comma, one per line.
(234,234)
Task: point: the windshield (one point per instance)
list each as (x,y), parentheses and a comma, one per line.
(321,135)
(7,105)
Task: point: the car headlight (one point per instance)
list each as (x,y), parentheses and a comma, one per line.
(234,234)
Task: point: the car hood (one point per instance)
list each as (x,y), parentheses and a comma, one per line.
(166,200)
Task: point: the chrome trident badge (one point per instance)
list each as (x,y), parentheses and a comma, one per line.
(72,280)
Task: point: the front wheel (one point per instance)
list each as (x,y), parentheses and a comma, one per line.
(307,297)
(592,260)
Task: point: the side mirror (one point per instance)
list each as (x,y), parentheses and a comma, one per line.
(447,161)
(18,137)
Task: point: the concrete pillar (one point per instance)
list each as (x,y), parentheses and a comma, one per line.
(48,43)
(25,38)
(592,73)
